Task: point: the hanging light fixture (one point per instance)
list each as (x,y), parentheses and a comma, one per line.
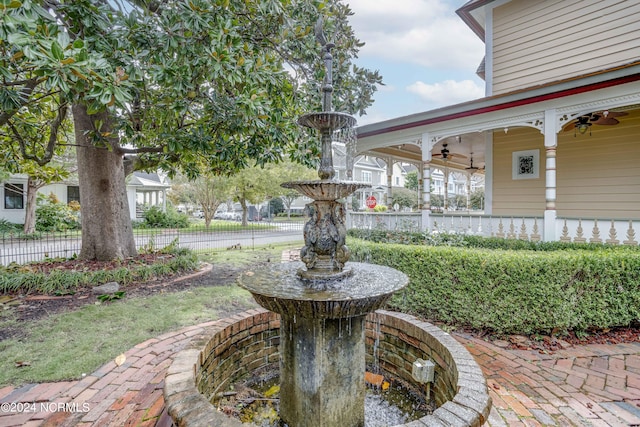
(583,125)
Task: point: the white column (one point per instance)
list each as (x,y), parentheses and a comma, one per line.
(488,173)
(426,182)
(550,145)
(468,191)
(389,162)
(445,204)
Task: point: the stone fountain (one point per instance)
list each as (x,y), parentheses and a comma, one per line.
(320,326)
(323,303)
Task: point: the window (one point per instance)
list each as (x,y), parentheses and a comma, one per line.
(73,193)
(397,181)
(13,196)
(366,176)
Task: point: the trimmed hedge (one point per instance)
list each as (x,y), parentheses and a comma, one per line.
(514,292)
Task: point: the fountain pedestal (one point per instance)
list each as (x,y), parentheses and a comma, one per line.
(322,356)
(322,372)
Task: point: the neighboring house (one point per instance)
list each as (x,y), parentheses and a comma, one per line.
(556,136)
(143,190)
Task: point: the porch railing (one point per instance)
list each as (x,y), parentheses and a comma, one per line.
(607,231)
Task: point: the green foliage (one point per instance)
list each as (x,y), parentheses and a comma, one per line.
(26,279)
(411,180)
(380,208)
(465,240)
(405,198)
(514,291)
(155,217)
(276,206)
(9,227)
(51,215)
(112,296)
(476,199)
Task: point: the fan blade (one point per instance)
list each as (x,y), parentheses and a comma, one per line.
(615,114)
(607,121)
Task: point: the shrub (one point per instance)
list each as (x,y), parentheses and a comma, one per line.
(28,279)
(51,215)
(510,291)
(155,217)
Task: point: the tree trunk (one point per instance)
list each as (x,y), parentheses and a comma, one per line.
(243,203)
(107,233)
(30,212)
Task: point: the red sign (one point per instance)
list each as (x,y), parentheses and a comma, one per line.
(371,202)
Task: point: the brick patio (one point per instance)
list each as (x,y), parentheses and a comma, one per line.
(593,385)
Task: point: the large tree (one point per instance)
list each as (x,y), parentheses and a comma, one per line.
(172,84)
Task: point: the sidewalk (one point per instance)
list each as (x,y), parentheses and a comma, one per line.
(593,385)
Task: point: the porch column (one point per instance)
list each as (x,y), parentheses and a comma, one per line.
(420,185)
(350,148)
(469,191)
(389,162)
(445,203)
(426,182)
(550,145)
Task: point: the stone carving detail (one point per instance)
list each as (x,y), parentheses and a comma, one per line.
(324,236)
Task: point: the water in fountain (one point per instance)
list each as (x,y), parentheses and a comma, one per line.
(321,367)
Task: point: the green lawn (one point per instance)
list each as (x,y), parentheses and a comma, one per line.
(65,346)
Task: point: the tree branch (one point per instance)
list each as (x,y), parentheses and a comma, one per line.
(25,93)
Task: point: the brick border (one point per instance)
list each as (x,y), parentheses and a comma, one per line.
(230,348)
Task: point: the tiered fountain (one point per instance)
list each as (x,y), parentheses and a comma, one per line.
(316,327)
(323,305)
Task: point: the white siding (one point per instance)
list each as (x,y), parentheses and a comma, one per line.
(538,42)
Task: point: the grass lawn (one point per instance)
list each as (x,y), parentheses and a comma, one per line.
(64,346)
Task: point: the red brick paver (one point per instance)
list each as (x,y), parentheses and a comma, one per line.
(592,385)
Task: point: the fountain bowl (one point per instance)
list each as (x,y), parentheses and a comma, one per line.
(325,190)
(327,120)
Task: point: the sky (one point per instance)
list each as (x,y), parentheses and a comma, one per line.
(426,54)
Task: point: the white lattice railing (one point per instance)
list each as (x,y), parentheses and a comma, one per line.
(524,228)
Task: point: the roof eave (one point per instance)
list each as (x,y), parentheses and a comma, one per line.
(594,81)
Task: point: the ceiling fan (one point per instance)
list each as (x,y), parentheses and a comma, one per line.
(607,118)
(446,154)
(472,169)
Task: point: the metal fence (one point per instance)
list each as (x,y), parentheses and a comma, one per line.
(20,249)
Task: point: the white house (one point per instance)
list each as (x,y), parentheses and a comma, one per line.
(143,189)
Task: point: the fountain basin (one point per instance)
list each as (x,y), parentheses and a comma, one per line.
(325,190)
(327,120)
(230,349)
(365,289)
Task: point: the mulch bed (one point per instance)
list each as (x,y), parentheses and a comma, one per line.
(33,306)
